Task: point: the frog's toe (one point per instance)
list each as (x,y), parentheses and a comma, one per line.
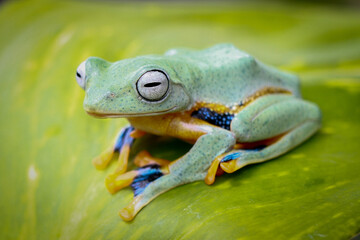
(114,182)
(231,162)
(227,162)
(230,166)
(144,158)
(123,159)
(129,212)
(214,170)
(102,161)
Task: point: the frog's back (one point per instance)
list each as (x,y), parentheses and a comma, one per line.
(228,75)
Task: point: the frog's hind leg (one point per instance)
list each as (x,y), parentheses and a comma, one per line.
(286,119)
(237,159)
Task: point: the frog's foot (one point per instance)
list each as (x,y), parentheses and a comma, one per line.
(147,165)
(138,179)
(122,145)
(214,169)
(144,158)
(150,183)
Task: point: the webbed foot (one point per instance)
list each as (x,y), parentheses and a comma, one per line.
(122,145)
(138,180)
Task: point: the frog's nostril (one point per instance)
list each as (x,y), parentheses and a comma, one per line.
(110,95)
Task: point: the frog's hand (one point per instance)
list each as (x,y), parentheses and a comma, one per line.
(291,120)
(148,182)
(138,179)
(122,145)
(142,176)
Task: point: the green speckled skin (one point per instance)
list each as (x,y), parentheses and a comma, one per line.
(222,75)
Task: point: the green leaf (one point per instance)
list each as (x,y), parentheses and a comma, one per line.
(49,188)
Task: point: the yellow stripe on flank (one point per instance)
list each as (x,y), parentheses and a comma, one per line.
(219,108)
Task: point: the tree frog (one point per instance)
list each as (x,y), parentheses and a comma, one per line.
(234,109)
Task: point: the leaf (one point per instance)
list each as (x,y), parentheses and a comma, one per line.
(50,190)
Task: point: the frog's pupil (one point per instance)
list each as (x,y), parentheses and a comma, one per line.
(78,74)
(152,84)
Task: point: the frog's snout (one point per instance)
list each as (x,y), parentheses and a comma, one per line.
(91,104)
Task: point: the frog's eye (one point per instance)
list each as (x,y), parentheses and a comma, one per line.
(153,85)
(80,75)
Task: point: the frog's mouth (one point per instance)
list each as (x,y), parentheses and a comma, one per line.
(126,115)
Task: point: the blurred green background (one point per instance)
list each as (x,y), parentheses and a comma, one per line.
(49,188)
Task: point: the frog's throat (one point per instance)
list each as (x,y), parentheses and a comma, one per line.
(125,115)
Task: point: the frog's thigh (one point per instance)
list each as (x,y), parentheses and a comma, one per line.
(298,129)
(271,116)
(237,159)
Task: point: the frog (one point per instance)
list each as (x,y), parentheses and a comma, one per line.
(234,109)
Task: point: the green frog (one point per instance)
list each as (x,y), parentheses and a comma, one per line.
(234,109)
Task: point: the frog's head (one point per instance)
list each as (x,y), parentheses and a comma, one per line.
(132,87)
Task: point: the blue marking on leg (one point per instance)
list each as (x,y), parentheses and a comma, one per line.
(258,148)
(147,174)
(231,156)
(124,138)
(236,155)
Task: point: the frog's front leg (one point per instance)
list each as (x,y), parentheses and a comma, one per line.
(150,181)
(284,120)
(122,144)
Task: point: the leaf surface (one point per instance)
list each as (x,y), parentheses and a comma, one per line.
(50,190)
